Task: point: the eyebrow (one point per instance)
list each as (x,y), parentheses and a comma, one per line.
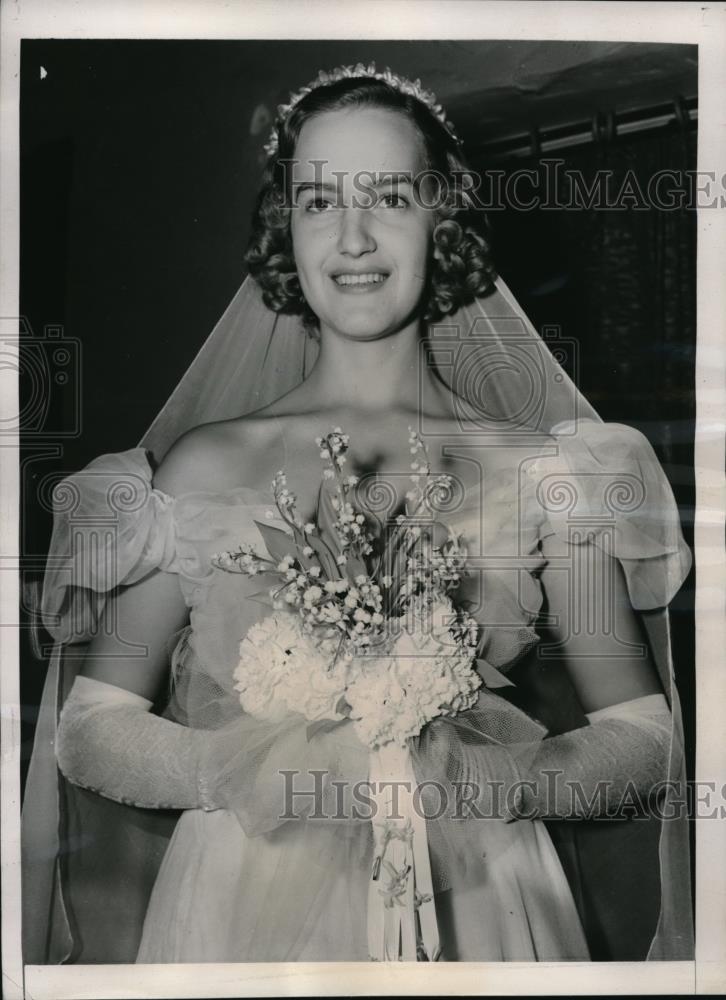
(402,177)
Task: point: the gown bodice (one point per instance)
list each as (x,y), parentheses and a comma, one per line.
(598,481)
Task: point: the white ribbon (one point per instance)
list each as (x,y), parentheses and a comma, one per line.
(401,911)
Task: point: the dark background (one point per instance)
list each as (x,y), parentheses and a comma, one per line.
(139,165)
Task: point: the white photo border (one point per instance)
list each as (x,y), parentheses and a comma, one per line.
(704,25)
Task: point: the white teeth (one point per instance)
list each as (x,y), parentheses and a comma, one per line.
(359,279)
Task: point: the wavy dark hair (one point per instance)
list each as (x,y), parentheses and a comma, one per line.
(461,266)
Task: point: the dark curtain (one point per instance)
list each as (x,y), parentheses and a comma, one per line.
(620,280)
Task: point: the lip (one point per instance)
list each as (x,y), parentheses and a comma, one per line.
(355,287)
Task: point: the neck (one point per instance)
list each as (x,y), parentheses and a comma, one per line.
(377,374)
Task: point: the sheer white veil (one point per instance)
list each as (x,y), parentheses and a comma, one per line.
(499,369)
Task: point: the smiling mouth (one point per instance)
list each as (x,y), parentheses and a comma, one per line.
(359,280)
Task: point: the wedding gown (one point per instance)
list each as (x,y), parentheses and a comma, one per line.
(297,892)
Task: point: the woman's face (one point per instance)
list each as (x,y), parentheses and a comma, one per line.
(361,242)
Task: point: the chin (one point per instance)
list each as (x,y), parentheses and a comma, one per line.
(367,327)
(364,331)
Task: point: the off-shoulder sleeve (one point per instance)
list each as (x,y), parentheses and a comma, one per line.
(603,482)
(110,528)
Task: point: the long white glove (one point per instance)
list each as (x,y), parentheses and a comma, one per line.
(615,761)
(109,742)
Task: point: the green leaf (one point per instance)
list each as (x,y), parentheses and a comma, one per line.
(388,551)
(405,547)
(355,567)
(325,557)
(326,518)
(326,542)
(279,543)
(261,597)
(301,540)
(322,726)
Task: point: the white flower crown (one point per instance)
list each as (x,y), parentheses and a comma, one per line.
(412,88)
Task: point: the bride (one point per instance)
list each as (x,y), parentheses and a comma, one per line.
(364,229)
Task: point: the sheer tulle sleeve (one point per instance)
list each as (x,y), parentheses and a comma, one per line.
(111,528)
(603,482)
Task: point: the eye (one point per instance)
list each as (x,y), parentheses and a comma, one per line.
(393,200)
(318,205)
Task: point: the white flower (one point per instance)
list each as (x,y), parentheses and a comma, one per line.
(281,670)
(265,659)
(309,528)
(427,674)
(312,594)
(315,692)
(307,551)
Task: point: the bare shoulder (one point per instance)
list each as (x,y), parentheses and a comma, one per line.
(465,429)
(221,455)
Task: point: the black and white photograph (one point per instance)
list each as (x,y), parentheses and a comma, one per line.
(363,579)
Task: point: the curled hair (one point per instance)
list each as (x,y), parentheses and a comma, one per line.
(460,265)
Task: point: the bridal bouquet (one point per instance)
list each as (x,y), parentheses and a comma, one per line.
(363,628)
(362,625)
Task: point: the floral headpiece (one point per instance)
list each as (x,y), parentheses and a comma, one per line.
(412,88)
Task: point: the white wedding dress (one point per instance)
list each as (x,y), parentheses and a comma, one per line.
(298,892)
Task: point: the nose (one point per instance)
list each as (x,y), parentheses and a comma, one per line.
(355,237)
